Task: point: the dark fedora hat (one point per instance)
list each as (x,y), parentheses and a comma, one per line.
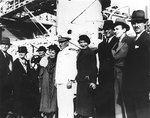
(108,24)
(121,21)
(22,49)
(138,15)
(41,48)
(85,38)
(5,40)
(63,39)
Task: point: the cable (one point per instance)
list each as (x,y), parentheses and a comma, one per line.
(82,12)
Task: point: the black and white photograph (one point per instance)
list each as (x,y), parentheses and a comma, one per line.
(74,59)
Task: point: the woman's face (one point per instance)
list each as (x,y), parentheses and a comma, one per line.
(83,44)
(52,53)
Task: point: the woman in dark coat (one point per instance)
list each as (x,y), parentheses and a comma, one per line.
(86,78)
(22,85)
(48,104)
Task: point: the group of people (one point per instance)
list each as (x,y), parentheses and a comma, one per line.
(62,82)
(124,69)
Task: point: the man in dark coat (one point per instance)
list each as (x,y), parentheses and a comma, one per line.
(105,105)
(5,71)
(22,87)
(136,83)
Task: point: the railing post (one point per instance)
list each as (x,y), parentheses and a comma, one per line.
(1,29)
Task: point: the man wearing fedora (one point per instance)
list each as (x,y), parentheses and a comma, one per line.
(119,52)
(22,87)
(5,72)
(105,105)
(136,83)
(64,75)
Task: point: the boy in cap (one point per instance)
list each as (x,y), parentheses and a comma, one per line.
(136,84)
(5,71)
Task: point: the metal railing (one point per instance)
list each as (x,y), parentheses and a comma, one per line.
(7,6)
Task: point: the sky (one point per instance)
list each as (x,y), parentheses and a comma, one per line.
(133,5)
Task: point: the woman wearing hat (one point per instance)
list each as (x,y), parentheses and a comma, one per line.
(136,84)
(22,85)
(48,105)
(86,78)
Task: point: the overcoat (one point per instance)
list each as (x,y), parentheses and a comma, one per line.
(86,74)
(5,85)
(105,106)
(48,89)
(4,69)
(136,82)
(119,52)
(22,89)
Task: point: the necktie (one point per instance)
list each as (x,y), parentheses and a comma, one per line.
(107,41)
(7,58)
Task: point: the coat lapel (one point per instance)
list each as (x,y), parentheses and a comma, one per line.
(122,43)
(139,41)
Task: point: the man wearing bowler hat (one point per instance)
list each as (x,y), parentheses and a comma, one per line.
(136,83)
(105,106)
(65,74)
(5,71)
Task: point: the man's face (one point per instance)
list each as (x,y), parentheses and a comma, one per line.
(109,33)
(4,47)
(119,31)
(22,55)
(138,26)
(63,44)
